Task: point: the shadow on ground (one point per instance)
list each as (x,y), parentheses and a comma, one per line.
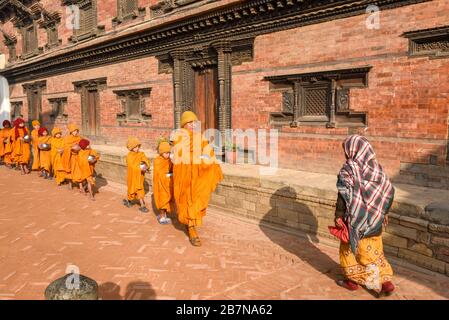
(136,290)
(309,253)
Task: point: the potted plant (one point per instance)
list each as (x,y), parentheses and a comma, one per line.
(230,152)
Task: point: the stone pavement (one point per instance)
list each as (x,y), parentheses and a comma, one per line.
(43,229)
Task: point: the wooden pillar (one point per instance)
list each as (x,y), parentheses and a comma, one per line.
(224,82)
(178,65)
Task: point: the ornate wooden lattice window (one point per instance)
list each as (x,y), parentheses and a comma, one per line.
(34,92)
(320,98)
(165,6)
(58,109)
(16,109)
(29,41)
(133,105)
(50,24)
(429,42)
(87,26)
(127,10)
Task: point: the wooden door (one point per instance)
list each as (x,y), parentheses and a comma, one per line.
(91,113)
(206,97)
(35,106)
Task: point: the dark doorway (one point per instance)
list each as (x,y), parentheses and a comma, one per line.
(35,105)
(206,97)
(90,113)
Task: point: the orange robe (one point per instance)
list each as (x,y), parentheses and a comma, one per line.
(22,150)
(193,180)
(35,142)
(44,156)
(69,158)
(162,184)
(8,146)
(4,134)
(83,170)
(136,178)
(58,169)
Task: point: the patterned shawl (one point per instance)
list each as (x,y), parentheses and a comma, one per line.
(366,189)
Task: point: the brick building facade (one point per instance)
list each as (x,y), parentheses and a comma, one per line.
(315,70)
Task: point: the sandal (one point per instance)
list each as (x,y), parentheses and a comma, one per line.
(127,203)
(163,220)
(196,242)
(348,284)
(144,209)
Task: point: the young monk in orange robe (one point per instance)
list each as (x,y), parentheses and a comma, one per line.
(136,176)
(70,154)
(196,174)
(84,169)
(35,143)
(22,149)
(57,148)
(5,143)
(44,153)
(163,182)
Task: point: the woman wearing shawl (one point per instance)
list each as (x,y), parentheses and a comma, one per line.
(21,149)
(365,195)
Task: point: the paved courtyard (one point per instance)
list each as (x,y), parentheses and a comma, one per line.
(45,228)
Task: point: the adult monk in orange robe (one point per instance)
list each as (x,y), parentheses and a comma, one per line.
(21,149)
(136,176)
(5,143)
(70,154)
(57,148)
(196,174)
(163,182)
(84,170)
(44,153)
(35,143)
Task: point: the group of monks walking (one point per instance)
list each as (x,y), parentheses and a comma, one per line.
(64,159)
(184,175)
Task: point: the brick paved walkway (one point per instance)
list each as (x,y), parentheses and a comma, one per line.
(44,228)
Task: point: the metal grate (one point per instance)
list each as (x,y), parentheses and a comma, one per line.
(315,102)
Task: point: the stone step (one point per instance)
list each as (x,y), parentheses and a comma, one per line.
(424,175)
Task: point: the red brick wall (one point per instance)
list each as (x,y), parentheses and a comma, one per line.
(406,98)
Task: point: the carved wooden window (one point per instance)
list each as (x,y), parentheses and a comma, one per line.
(29,41)
(429,42)
(133,105)
(128,10)
(320,98)
(87,19)
(58,109)
(16,109)
(50,23)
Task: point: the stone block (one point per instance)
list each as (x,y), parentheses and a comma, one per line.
(402,231)
(438,228)
(440,241)
(250,206)
(394,241)
(266,210)
(424,237)
(422,260)
(288,215)
(308,220)
(391,250)
(414,223)
(422,249)
(438,212)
